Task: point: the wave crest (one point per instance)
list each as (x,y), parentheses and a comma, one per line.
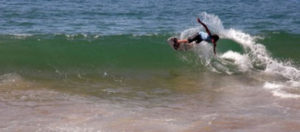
(254,57)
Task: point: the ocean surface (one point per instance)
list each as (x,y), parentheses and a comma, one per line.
(105,66)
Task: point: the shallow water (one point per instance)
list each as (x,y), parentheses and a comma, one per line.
(205,102)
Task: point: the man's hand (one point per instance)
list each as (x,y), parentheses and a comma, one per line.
(198,20)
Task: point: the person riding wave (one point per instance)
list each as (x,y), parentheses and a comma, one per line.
(198,37)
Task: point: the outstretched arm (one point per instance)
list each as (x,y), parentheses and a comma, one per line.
(215,45)
(199,21)
(215,48)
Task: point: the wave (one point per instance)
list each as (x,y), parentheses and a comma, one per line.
(61,51)
(254,57)
(238,53)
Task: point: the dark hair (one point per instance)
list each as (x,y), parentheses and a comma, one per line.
(215,37)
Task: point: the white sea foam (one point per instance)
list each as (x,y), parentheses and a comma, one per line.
(241,60)
(20,36)
(279,91)
(269,85)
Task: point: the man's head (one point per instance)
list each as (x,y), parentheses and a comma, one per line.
(215,37)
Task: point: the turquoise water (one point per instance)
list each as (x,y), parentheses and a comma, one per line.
(87,65)
(49,53)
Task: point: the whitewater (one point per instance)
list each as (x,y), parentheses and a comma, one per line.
(254,58)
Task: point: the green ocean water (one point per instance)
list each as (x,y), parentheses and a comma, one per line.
(283,45)
(79,54)
(86,54)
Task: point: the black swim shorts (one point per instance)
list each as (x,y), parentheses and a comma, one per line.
(196,37)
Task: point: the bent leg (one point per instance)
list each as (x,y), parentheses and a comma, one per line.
(196,37)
